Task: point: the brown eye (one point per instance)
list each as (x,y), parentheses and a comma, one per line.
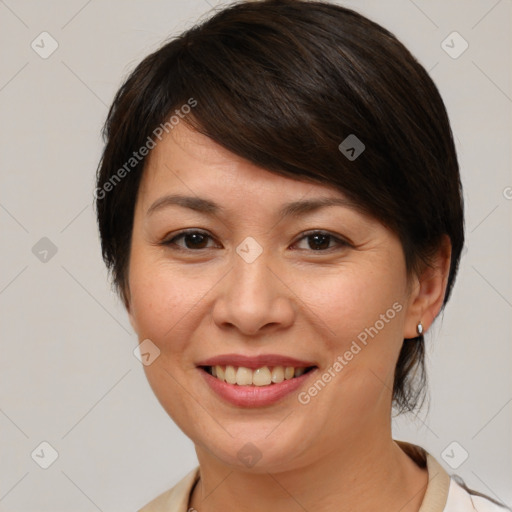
(321,241)
(193,240)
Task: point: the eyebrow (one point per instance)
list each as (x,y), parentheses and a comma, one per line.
(294,208)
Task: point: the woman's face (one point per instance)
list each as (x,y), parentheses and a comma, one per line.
(250,289)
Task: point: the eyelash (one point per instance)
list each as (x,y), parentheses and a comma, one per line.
(171,243)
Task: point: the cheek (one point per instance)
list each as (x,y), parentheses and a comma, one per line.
(350,301)
(363,308)
(165,299)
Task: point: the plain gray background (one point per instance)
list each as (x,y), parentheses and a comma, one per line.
(68,373)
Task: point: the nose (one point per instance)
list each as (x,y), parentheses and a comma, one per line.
(253,299)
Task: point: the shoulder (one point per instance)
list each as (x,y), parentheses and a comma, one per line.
(175,499)
(461,500)
(448,493)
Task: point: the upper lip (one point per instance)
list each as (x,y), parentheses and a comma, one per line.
(255,361)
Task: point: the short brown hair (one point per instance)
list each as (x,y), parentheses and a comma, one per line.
(282,83)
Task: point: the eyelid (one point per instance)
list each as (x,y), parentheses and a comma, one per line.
(169,241)
(340,241)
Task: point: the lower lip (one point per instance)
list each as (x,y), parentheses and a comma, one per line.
(254,396)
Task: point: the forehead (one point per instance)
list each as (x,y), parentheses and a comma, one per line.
(192,163)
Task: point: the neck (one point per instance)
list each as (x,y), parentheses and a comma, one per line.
(363,475)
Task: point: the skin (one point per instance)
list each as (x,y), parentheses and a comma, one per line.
(336,452)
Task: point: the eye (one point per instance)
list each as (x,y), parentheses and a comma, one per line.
(193,239)
(320,241)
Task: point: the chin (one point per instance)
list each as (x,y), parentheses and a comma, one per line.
(261,449)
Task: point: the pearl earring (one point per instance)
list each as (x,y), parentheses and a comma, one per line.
(419,328)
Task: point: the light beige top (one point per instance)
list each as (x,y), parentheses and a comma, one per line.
(443,494)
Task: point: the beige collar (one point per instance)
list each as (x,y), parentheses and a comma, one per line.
(436,494)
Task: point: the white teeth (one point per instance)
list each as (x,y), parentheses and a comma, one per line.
(244,376)
(263,376)
(277,374)
(230,375)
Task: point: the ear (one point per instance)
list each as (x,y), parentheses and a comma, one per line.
(428,290)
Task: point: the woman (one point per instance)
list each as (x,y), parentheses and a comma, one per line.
(279,203)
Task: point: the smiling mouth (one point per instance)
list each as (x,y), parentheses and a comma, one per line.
(264,376)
